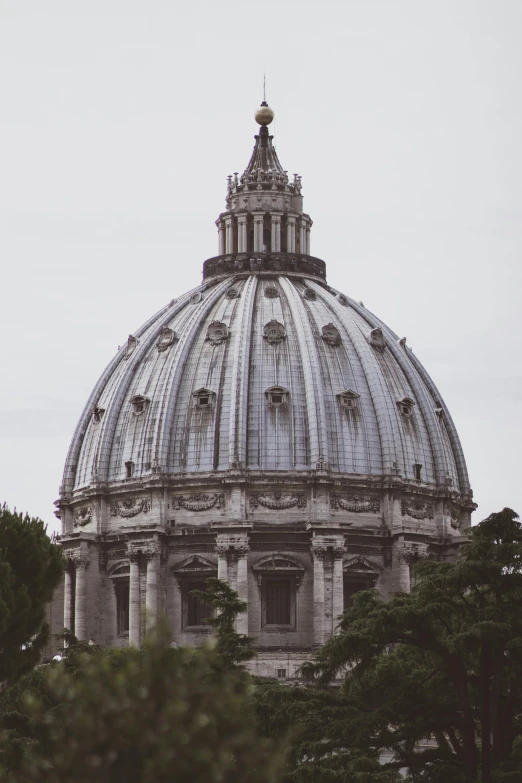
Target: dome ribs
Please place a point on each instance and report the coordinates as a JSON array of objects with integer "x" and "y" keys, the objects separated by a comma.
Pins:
[
  {"x": 238, "y": 422},
  {"x": 319, "y": 451},
  {"x": 422, "y": 391}
]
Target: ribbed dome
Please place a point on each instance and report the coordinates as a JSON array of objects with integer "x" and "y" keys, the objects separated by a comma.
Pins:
[{"x": 265, "y": 372}]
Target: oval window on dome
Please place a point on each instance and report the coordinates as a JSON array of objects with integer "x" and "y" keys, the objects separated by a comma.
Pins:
[
  {"x": 310, "y": 294},
  {"x": 217, "y": 333},
  {"x": 165, "y": 339},
  {"x": 132, "y": 344},
  {"x": 196, "y": 298},
  {"x": 97, "y": 414},
  {"x": 342, "y": 300},
  {"x": 271, "y": 292},
  {"x": 232, "y": 293}
]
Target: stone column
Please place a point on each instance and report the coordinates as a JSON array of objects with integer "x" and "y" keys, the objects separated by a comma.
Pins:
[
  {"x": 258, "y": 232},
  {"x": 276, "y": 232},
  {"x": 308, "y": 239},
  {"x": 134, "y": 600},
  {"x": 242, "y": 233},
  {"x": 229, "y": 237},
  {"x": 242, "y": 586},
  {"x": 222, "y": 551},
  {"x": 290, "y": 234},
  {"x": 221, "y": 238},
  {"x": 80, "y": 604},
  {"x": 404, "y": 560},
  {"x": 67, "y": 598},
  {"x": 337, "y": 586},
  {"x": 318, "y": 554},
  {"x": 151, "y": 597},
  {"x": 302, "y": 236}
]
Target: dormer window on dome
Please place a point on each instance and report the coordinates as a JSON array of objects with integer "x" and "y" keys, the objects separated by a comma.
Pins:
[
  {"x": 274, "y": 332},
  {"x": 406, "y": 406},
  {"x": 204, "y": 398},
  {"x": 139, "y": 404},
  {"x": 376, "y": 339},
  {"x": 348, "y": 399},
  {"x": 277, "y": 396}
]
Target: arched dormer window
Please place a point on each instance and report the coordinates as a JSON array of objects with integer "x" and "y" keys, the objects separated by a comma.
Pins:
[
  {"x": 274, "y": 332},
  {"x": 406, "y": 406},
  {"x": 217, "y": 333},
  {"x": 348, "y": 399},
  {"x": 277, "y": 396},
  {"x": 278, "y": 577},
  {"x": 166, "y": 337},
  {"x": 204, "y": 398},
  {"x": 139, "y": 404}
]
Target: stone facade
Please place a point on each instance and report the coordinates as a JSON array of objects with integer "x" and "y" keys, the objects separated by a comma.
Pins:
[{"x": 263, "y": 428}]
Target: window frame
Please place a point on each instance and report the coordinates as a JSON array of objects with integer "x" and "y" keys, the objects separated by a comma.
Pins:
[{"x": 191, "y": 582}]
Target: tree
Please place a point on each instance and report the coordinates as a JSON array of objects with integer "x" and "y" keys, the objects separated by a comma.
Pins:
[
  {"x": 433, "y": 677},
  {"x": 154, "y": 715},
  {"x": 31, "y": 567}
]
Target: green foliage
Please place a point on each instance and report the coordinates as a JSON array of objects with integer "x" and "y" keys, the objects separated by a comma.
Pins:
[
  {"x": 433, "y": 677},
  {"x": 233, "y": 648},
  {"x": 31, "y": 567},
  {"x": 153, "y": 715}
]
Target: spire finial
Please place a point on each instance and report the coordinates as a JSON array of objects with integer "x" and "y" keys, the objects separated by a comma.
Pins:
[{"x": 264, "y": 115}]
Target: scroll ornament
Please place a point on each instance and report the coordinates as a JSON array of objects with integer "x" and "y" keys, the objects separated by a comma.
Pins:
[
  {"x": 278, "y": 500},
  {"x": 357, "y": 504},
  {"x": 130, "y": 507},
  {"x": 199, "y": 502},
  {"x": 417, "y": 509},
  {"x": 82, "y": 516}
]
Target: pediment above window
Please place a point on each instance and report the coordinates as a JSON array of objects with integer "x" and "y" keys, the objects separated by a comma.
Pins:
[
  {"x": 203, "y": 398},
  {"x": 360, "y": 566},
  {"x": 194, "y": 564}
]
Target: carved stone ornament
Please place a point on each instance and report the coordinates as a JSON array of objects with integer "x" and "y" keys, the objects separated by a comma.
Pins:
[
  {"x": 82, "y": 516},
  {"x": 271, "y": 292},
  {"x": 200, "y": 502},
  {"x": 196, "y": 298},
  {"x": 310, "y": 294},
  {"x": 217, "y": 333},
  {"x": 132, "y": 344},
  {"x": 331, "y": 335},
  {"x": 278, "y": 500},
  {"x": 358, "y": 504},
  {"x": 274, "y": 332},
  {"x": 165, "y": 339},
  {"x": 342, "y": 300},
  {"x": 130, "y": 507},
  {"x": 417, "y": 509},
  {"x": 232, "y": 293},
  {"x": 319, "y": 552}
]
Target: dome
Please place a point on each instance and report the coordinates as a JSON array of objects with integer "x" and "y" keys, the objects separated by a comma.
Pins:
[
  {"x": 264, "y": 428},
  {"x": 191, "y": 393}
]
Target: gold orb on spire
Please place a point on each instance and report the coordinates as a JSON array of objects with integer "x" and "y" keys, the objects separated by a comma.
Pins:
[{"x": 264, "y": 115}]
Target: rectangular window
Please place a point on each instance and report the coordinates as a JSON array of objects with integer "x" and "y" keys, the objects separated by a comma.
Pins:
[
  {"x": 196, "y": 610},
  {"x": 353, "y": 586},
  {"x": 281, "y": 673},
  {"x": 121, "y": 586},
  {"x": 278, "y": 602}
]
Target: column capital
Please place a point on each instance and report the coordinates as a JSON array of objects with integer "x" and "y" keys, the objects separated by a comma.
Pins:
[
  {"x": 76, "y": 560},
  {"x": 339, "y": 551},
  {"x": 222, "y": 549},
  {"x": 319, "y": 551},
  {"x": 241, "y": 549}
]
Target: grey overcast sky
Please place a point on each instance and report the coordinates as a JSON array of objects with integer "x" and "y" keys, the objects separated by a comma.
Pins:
[{"x": 119, "y": 121}]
